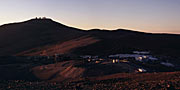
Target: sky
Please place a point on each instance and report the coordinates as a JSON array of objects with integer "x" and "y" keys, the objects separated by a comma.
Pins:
[{"x": 156, "y": 16}]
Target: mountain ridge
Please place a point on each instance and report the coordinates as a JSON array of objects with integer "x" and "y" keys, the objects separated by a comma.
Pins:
[{"x": 52, "y": 21}]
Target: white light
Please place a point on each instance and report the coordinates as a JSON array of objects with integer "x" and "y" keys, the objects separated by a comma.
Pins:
[{"x": 114, "y": 61}]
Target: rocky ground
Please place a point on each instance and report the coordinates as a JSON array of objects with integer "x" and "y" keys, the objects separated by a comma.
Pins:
[{"x": 150, "y": 81}]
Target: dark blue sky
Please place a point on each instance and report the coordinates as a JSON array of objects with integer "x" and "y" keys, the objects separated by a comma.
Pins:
[{"x": 143, "y": 15}]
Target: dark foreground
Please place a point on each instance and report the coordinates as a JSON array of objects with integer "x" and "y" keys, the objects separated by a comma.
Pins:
[{"x": 154, "y": 81}]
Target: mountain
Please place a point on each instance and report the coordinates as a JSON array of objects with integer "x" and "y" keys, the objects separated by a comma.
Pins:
[
  {"x": 47, "y": 37},
  {"x": 19, "y": 37}
]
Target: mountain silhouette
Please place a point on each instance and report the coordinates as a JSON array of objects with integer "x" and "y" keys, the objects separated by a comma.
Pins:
[{"x": 47, "y": 37}]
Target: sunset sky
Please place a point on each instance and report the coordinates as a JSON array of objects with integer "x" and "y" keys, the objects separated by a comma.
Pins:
[{"x": 162, "y": 16}]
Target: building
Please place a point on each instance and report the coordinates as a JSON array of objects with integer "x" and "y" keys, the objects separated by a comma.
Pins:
[
  {"x": 86, "y": 56},
  {"x": 141, "y": 70},
  {"x": 137, "y": 57},
  {"x": 167, "y": 64},
  {"x": 141, "y": 52}
]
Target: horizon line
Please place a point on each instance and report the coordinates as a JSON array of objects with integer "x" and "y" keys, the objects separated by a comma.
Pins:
[{"x": 93, "y": 28}]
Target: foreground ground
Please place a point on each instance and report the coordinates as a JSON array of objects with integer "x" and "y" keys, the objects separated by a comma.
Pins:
[
  {"x": 143, "y": 81},
  {"x": 22, "y": 74}
]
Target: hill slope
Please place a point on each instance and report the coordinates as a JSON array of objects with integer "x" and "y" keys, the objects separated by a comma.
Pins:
[
  {"x": 35, "y": 36},
  {"x": 19, "y": 37},
  {"x": 125, "y": 41}
]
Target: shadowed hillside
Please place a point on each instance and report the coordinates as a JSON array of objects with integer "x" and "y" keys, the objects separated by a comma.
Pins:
[
  {"x": 19, "y": 37},
  {"x": 35, "y": 36},
  {"x": 126, "y": 41}
]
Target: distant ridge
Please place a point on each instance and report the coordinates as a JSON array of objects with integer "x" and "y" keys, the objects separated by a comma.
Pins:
[{"x": 38, "y": 35}]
